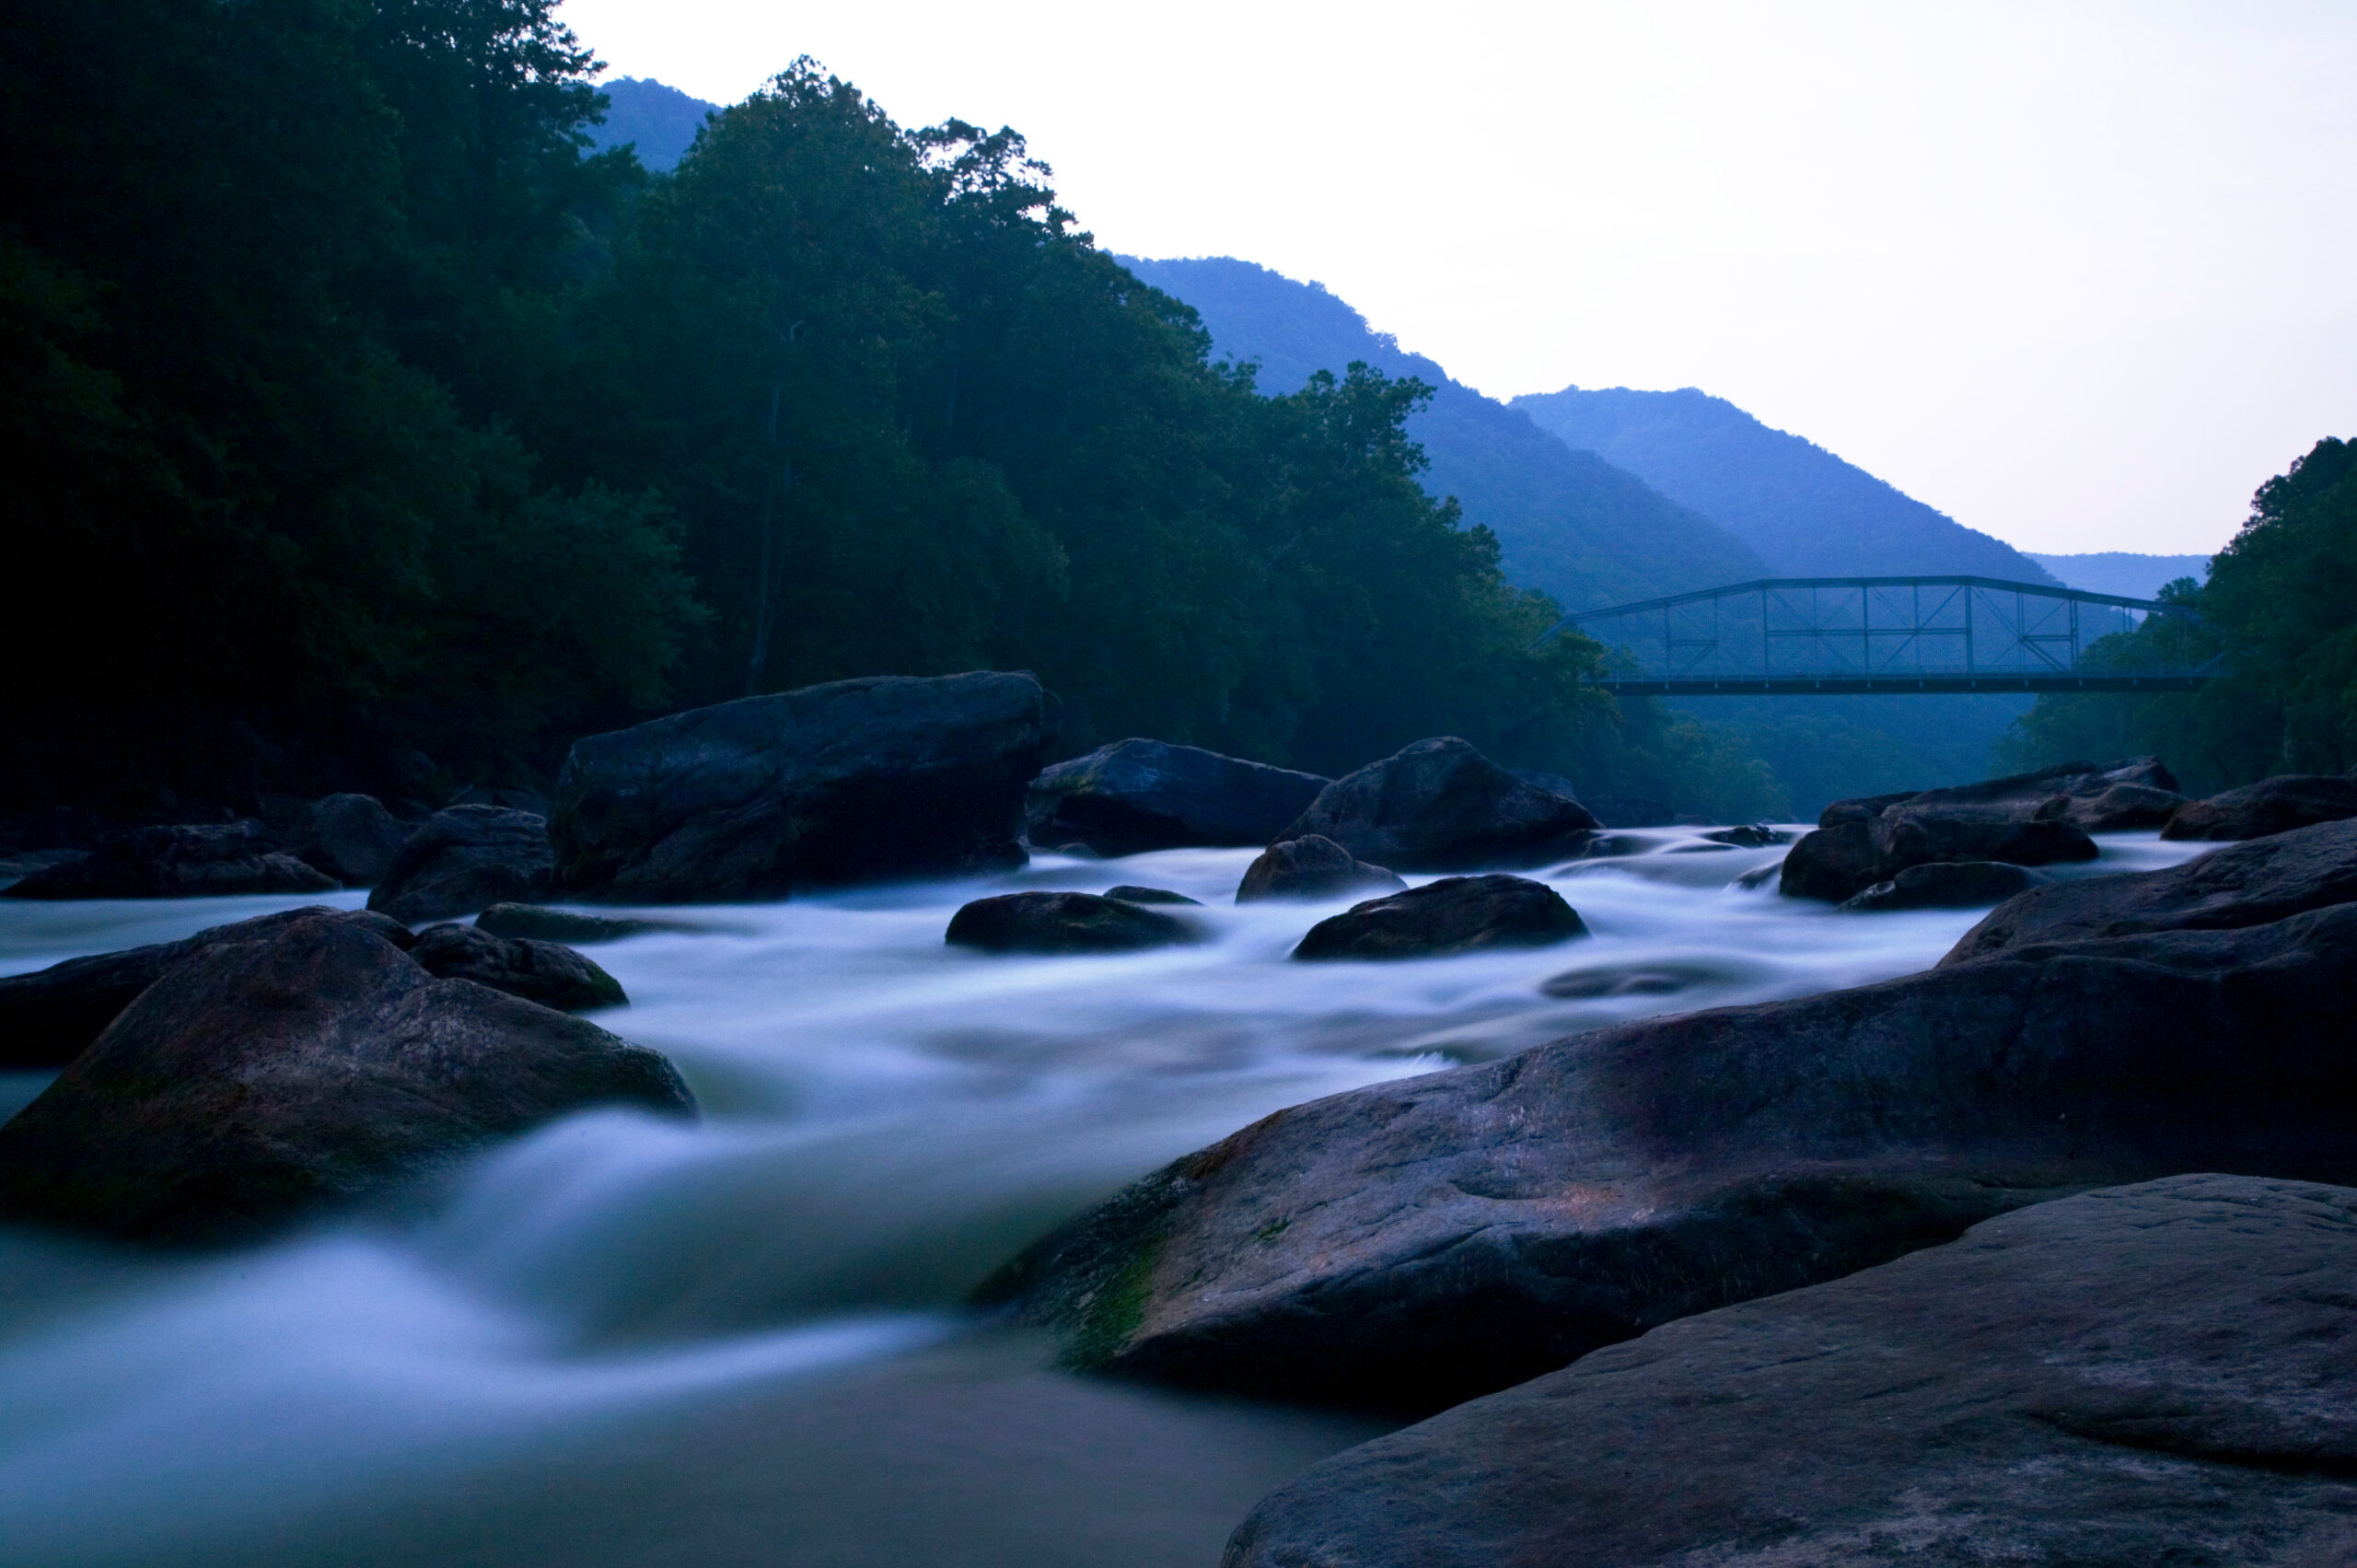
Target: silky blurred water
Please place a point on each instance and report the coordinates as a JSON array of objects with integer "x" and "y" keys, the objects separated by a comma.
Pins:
[{"x": 632, "y": 1341}]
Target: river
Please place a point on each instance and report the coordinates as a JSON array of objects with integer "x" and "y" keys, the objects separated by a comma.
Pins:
[{"x": 624, "y": 1341}]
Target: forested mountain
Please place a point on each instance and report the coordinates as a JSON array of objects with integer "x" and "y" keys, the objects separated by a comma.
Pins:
[
  {"x": 2122, "y": 572},
  {"x": 1807, "y": 512},
  {"x": 1567, "y": 522},
  {"x": 656, "y": 123}
]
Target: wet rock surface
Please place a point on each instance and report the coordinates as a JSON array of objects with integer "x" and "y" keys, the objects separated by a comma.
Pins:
[
  {"x": 851, "y": 781},
  {"x": 540, "y": 923},
  {"x": 548, "y": 973},
  {"x": 48, "y": 1016},
  {"x": 1138, "y": 794},
  {"x": 2248, "y": 883},
  {"x": 351, "y": 837},
  {"x": 1131, "y": 893},
  {"x": 2271, "y": 806},
  {"x": 1456, "y": 914},
  {"x": 319, "y": 1066},
  {"x": 1947, "y": 884},
  {"x": 192, "y": 860},
  {"x": 1439, "y": 805},
  {"x": 466, "y": 858},
  {"x": 2143, "y": 1374},
  {"x": 1063, "y": 923},
  {"x": 1422, "y": 1241},
  {"x": 1312, "y": 867},
  {"x": 1839, "y": 862}
]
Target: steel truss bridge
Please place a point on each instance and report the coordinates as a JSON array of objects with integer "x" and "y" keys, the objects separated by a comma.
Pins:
[{"x": 1797, "y": 636}]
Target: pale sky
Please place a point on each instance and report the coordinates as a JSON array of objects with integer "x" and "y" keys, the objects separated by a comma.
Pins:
[{"x": 2079, "y": 274}]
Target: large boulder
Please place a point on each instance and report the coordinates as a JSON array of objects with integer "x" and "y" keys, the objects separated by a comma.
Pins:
[
  {"x": 48, "y": 1016},
  {"x": 194, "y": 860},
  {"x": 1456, "y": 914},
  {"x": 1439, "y": 805},
  {"x": 2073, "y": 791},
  {"x": 259, "y": 1081},
  {"x": 1134, "y": 796},
  {"x": 855, "y": 780},
  {"x": 2250, "y": 884},
  {"x": 351, "y": 837},
  {"x": 2271, "y": 806},
  {"x": 1843, "y": 861},
  {"x": 2143, "y": 1374},
  {"x": 1311, "y": 867},
  {"x": 548, "y": 973},
  {"x": 1424, "y": 1240},
  {"x": 1063, "y": 923},
  {"x": 1944, "y": 884},
  {"x": 465, "y": 858}
]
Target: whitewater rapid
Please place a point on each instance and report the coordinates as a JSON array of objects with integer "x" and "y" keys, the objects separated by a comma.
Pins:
[{"x": 627, "y": 1340}]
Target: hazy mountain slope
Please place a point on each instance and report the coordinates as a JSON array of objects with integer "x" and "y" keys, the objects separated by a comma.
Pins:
[
  {"x": 1807, "y": 512},
  {"x": 2123, "y": 572},
  {"x": 1570, "y": 522},
  {"x": 661, "y": 121}
]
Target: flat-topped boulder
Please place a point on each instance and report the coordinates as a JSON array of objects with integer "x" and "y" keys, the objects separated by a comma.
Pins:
[
  {"x": 465, "y": 858},
  {"x": 1424, "y": 1240},
  {"x": 1439, "y": 805},
  {"x": 1456, "y": 914},
  {"x": 853, "y": 780},
  {"x": 2271, "y": 806},
  {"x": 192, "y": 860},
  {"x": 2143, "y": 1374},
  {"x": 1139, "y": 795},
  {"x": 1312, "y": 866},
  {"x": 1841, "y": 862},
  {"x": 259, "y": 1082},
  {"x": 2248, "y": 883},
  {"x": 2093, "y": 796},
  {"x": 1064, "y": 922},
  {"x": 541, "y": 922}
]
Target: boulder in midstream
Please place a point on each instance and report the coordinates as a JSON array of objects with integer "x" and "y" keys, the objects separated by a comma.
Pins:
[
  {"x": 1439, "y": 805},
  {"x": 1456, "y": 914}
]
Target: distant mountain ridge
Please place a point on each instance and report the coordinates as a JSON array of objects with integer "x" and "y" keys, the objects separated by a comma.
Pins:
[
  {"x": 1807, "y": 512},
  {"x": 1569, "y": 522},
  {"x": 2124, "y": 573},
  {"x": 660, "y": 121}
]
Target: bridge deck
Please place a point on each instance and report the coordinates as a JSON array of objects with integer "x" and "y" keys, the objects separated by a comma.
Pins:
[{"x": 1889, "y": 685}]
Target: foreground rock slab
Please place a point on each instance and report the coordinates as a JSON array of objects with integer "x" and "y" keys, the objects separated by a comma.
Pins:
[
  {"x": 1136, "y": 795},
  {"x": 2271, "y": 806},
  {"x": 463, "y": 859},
  {"x": 1421, "y": 1241},
  {"x": 853, "y": 780},
  {"x": 1312, "y": 867},
  {"x": 1456, "y": 914},
  {"x": 197, "y": 860},
  {"x": 260, "y": 1081},
  {"x": 2145, "y": 1375},
  {"x": 1063, "y": 923},
  {"x": 1439, "y": 805},
  {"x": 2249, "y": 884}
]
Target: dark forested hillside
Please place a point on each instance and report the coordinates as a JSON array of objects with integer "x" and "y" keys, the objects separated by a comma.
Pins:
[
  {"x": 1567, "y": 522},
  {"x": 656, "y": 123},
  {"x": 1807, "y": 512}
]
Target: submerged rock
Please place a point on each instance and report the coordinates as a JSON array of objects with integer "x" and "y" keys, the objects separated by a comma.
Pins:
[
  {"x": 48, "y": 1016},
  {"x": 1136, "y": 795},
  {"x": 851, "y": 781},
  {"x": 1311, "y": 867},
  {"x": 544, "y": 973},
  {"x": 1456, "y": 914},
  {"x": 2142, "y": 1374},
  {"x": 259, "y": 1081},
  {"x": 351, "y": 837},
  {"x": 463, "y": 859},
  {"x": 2271, "y": 806},
  {"x": 1130, "y": 893},
  {"x": 540, "y": 923},
  {"x": 1062, "y": 923},
  {"x": 1439, "y": 805},
  {"x": 2250, "y": 884},
  {"x": 1421, "y": 1241},
  {"x": 195, "y": 860},
  {"x": 1945, "y": 884}
]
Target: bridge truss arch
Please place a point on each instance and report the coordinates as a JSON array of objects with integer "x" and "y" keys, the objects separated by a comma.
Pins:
[{"x": 1782, "y": 636}]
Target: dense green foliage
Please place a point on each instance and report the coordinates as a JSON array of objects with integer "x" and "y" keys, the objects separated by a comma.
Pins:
[
  {"x": 2280, "y": 612},
  {"x": 354, "y": 406}
]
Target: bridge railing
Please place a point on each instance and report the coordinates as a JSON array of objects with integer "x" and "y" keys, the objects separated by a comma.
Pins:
[{"x": 1930, "y": 633}]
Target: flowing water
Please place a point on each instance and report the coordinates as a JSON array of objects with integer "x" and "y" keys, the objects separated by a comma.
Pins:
[{"x": 621, "y": 1340}]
